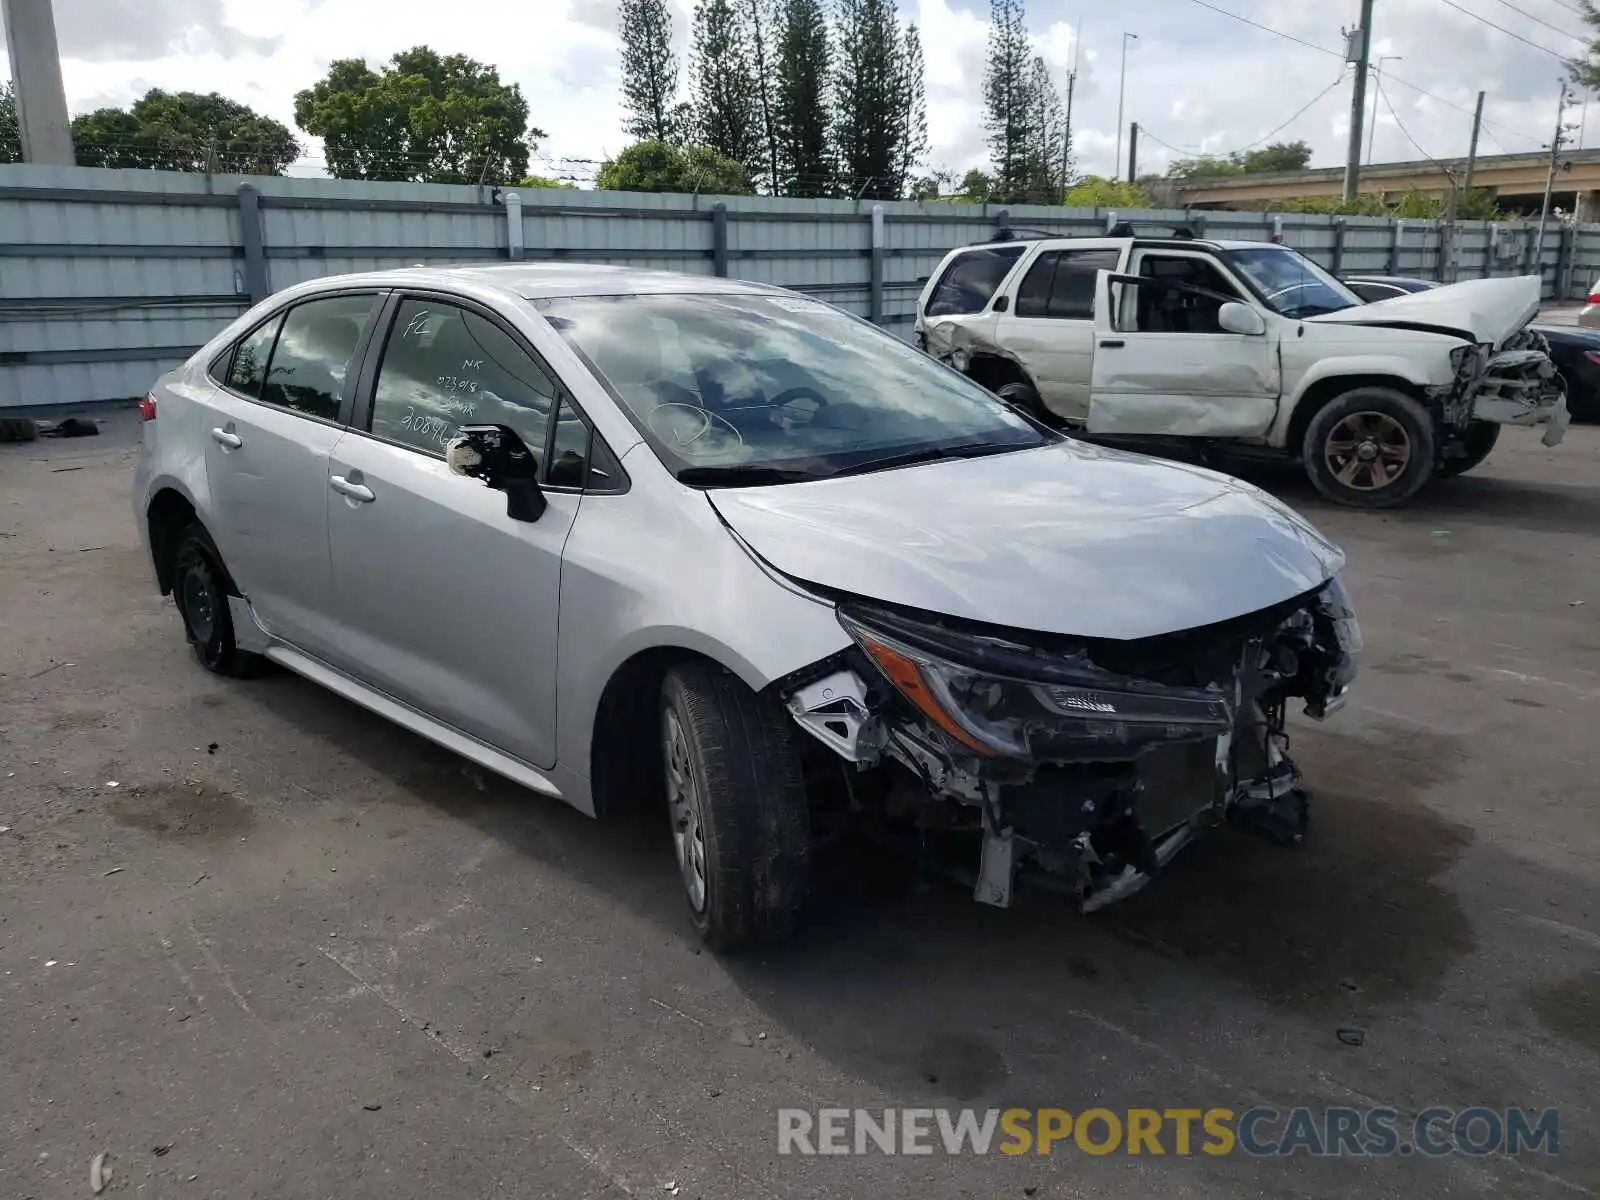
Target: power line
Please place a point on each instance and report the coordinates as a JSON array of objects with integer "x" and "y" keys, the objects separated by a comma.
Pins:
[
  {"x": 1539, "y": 20},
  {"x": 1289, "y": 37},
  {"x": 1417, "y": 146},
  {"x": 1467, "y": 12},
  {"x": 1300, "y": 112},
  {"x": 1421, "y": 91}
]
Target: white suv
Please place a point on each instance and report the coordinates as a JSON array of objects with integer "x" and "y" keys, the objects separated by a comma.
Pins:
[{"x": 1247, "y": 346}]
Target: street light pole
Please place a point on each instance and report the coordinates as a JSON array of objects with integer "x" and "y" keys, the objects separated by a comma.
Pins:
[
  {"x": 1122, "y": 92},
  {"x": 1372, "y": 127}
]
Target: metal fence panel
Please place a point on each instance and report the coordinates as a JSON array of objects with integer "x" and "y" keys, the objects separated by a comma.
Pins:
[{"x": 108, "y": 278}]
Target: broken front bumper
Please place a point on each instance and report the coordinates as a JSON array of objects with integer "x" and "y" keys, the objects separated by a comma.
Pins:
[
  {"x": 1518, "y": 385},
  {"x": 1059, "y": 755}
]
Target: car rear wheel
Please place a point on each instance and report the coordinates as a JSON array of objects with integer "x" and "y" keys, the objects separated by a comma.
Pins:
[
  {"x": 200, "y": 586},
  {"x": 1372, "y": 447},
  {"x": 741, "y": 828},
  {"x": 1476, "y": 444}
]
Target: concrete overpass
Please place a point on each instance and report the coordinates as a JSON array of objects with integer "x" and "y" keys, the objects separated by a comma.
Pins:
[{"x": 1516, "y": 179}]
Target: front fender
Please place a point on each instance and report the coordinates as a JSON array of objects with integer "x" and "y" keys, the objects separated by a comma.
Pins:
[{"x": 1418, "y": 372}]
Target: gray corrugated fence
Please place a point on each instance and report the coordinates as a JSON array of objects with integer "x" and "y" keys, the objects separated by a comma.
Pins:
[{"x": 108, "y": 278}]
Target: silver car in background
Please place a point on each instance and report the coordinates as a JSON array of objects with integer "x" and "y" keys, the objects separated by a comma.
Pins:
[{"x": 631, "y": 537}]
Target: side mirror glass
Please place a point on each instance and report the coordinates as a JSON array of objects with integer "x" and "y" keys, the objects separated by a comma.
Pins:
[
  {"x": 1234, "y": 317},
  {"x": 1001, "y": 303},
  {"x": 502, "y": 460}
]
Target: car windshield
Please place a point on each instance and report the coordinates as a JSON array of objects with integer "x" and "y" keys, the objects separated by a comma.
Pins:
[
  {"x": 748, "y": 389},
  {"x": 1290, "y": 283}
]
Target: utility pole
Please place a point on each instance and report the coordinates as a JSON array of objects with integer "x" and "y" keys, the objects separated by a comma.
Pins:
[
  {"x": 1472, "y": 147},
  {"x": 1550, "y": 178},
  {"x": 42, "y": 124},
  {"x": 1133, "y": 152},
  {"x": 1358, "y": 42},
  {"x": 1072, "y": 81},
  {"x": 1122, "y": 93}
]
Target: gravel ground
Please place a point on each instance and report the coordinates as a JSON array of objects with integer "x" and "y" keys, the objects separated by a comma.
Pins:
[{"x": 257, "y": 942}]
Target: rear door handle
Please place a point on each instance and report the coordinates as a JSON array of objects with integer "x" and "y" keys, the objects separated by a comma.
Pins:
[
  {"x": 1112, "y": 344},
  {"x": 356, "y": 491},
  {"x": 223, "y": 438}
]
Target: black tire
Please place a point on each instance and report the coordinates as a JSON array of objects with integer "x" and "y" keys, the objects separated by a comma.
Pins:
[
  {"x": 741, "y": 766},
  {"x": 1390, "y": 445},
  {"x": 201, "y": 585},
  {"x": 1478, "y": 442},
  {"x": 1023, "y": 395}
]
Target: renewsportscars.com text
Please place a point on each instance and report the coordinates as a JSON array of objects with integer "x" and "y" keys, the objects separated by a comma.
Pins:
[{"x": 1259, "y": 1131}]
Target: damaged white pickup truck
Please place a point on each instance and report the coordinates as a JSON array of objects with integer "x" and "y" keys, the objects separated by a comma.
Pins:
[{"x": 1246, "y": 348}]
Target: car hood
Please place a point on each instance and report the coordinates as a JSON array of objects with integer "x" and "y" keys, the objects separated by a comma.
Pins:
[
  {"x": 1068, "y": 538},
  {"x": 1490, "y": 310}
]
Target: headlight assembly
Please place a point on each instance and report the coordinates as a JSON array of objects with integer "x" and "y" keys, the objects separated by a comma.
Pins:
[{"x": 997, "y": 698}]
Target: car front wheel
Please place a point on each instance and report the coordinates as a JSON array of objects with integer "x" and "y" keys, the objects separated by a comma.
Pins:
[
  {"x": 741, "y": 828},
  {"x": 1371, "y": 447}
]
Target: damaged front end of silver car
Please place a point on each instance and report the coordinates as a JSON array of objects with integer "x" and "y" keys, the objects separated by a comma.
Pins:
[
  {"x": 1516, "y": 385},
  {"x": 1081, "y": 765}
]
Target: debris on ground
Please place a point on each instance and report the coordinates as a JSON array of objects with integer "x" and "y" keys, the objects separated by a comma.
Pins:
[
  {"x": 740, "y": 1038},
  {"x": 159, "y": 1151},
  {"x": 372, "y": 1107},
  {"x": 111, "y": 783},
  {"x": 99, "y": 1173},
  {"x": 1352, "y": 1035},
  {"x": 69, "y": 428},
  {"x": 211, "y": 748},
  {"x": 114, "y": 871}
]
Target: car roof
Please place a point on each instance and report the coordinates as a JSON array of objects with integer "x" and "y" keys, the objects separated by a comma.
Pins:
[
  {"x": 537, "y": 281},
  {"x": 1166, "y": 243}
]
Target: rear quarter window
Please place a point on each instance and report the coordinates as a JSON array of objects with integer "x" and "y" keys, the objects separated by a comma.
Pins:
[{"x": 970, "y": 280}]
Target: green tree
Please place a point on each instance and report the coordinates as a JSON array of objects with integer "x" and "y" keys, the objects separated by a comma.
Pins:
[
  {"x": 663, "y": 167},
  {"x": 543, "y": 181},
  {"x": 724, "y": 82},
  {"x": 800, "y": 101},
  {"x": 650, "y": 73},
  {"x": 1203, "y": 166},
  {"x": 184, "y": 131},
  {"x": 1094, "y": 192},
  {"x": 868, "y": 89},
  {"x": 10, "y": 135},
  {"x": 977, "y": 187},
  {"x": 1044, "y": 178},
  {"x": 1276, "y": 157},
  {"x": 1007, "y": 119},
  {"x": 422, "y": 117},
  {"x": 912, "y": 107},
  {"x": 1585, "y": 69}
]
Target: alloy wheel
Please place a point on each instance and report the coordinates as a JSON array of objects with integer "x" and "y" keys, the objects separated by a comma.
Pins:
[
  {"x": 1367, "y": 451},
  {"x": 683, "y": 800}
]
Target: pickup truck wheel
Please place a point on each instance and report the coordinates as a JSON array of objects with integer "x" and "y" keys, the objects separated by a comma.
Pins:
[
  {"x": 1024, "y": 397},
  {"x": 1478, "y": 441},
  {"x": 741, "y": 827},
  {"x": 1371, "y": 447}
]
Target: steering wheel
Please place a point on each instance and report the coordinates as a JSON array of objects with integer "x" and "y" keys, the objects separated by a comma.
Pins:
[
  {"x": 694, "y": 432},
  {"x": 802, "y": 392}
]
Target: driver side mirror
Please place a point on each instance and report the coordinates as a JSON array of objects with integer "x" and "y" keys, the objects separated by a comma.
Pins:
[
  {"x": 1001, "y": 303},
  {"x": 1234, "y": 317},
  {"x": 502, "y": 460}
]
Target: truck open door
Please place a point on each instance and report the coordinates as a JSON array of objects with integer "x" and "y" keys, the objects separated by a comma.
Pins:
[{"x": 1171, "y": 360}]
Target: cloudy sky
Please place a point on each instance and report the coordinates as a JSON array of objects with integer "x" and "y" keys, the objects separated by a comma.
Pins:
[{"x": 1197, "y": 80}]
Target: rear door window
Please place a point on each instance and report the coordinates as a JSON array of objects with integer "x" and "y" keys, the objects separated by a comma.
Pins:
[
  {"x": 1072, "y": 288},
  {"x": 969, "y": 281},
  {"x": 314, "y": 354}
]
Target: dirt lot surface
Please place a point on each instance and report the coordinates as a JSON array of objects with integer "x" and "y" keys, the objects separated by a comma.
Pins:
[{"x": 255, "y": 942}]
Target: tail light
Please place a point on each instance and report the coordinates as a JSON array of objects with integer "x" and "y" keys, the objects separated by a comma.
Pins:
[
  {"x": 1593, "y": 356},
  {"x": 1594, "y": 294},
  {"x": 147, "y": 408}
]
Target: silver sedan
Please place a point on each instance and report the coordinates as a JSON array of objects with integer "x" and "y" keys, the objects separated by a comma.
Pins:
[{"x": 628, "y": 537}]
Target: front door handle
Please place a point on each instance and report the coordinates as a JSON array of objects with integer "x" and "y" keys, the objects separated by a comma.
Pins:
[
  {"x": 355, "y": 491},
  {"x": 1112, "y": 344},
  {"x": 222, "y": 437}
]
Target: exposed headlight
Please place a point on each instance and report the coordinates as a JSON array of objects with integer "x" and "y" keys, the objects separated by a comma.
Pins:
[
  {"x": 1468, "y": 361},
  {"x": 1336, "y": 605},
  {"x": 998, "y": 698}
]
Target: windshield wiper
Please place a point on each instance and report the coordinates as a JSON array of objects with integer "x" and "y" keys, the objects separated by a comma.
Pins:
[
  {"x": 741, "y": 475},
  {"x": 911, "y": 458}
]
